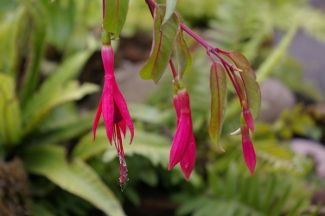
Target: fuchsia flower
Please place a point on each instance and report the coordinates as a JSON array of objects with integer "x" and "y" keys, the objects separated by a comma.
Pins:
[
  {"x": 183, "y": 147},
  {"x": 114, "y": 110},
  {"x": 248, "y": 149}
]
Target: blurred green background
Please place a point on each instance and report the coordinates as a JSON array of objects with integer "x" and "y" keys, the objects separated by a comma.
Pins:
[{"x": 50, "y": 83}]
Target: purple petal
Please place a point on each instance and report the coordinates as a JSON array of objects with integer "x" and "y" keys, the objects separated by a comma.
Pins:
[
  {"x": 248, "y": 149},
  {"x": 188, "y": 160}
]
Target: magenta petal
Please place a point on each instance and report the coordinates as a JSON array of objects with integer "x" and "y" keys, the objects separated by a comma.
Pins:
[
  {"x": 122, "y": 126},
  {"x": 180, "y": 142},
  {"x": 188, "y": 160},
  {"x": 177, "y": 108},
  {"x": 183, "y": 133},
  {"x": 248, "y": 149},
  {"x": 248, "y": 118},
  {"x": 107, "y": 96},
  {"x": 96, "y": 119},
  {"x": 123, "y": 108},
  {"x": 108, "y": 60}
]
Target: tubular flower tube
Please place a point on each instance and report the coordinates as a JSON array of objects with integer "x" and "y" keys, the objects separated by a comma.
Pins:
[
  {"x": 183, "y": 147},
  {"x": 248, "y": 149},
  {"x": 114, "y": 110},
  {"x": 248, "y": 116}
]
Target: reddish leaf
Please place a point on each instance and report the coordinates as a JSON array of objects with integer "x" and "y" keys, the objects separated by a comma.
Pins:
[
  {"x": 240, "y": 61},
  {"x": 183, "y": 55},
  {"x": 253, "y": 93},
  {"x": 218, "y": 88},
  {"x": 252, "y": 88},
  {"x": 163, "y": 40},
  {"x": 115, "y": 15}
]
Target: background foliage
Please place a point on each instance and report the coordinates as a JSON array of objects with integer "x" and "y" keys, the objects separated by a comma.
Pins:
[{"x": 43, "y": 51}]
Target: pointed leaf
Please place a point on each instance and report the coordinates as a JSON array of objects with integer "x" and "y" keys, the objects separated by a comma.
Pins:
[
  {"x": 253, "y": 93},
  {"x": 38, "y": 29},
  {"x": 71, "y": 92},
  {"x": 9, "y": 32},
  {"x": 248, "y": 77},
  {"x": 183, "y": 55},
  {"x": 170, "y": 7},
  {"x": 10, "y": 126},
  {"x": 277, "y": 54},
  {"x": 76, "y": 177},
  {"x": 240, "y": 61},
  {"x": 52, "y": 89},
  {"x": 218, "y": 88},
  {"x": 162, "y": 44},
  {"x": 86, "y": 147},
  {"x": 115, "y": 15},
  {"x": 69, "y": 130}
]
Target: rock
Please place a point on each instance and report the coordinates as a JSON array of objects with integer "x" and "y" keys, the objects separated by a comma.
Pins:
[
  {"x": 276, "y": 97},
  {"x": 131, "y": 85},
  {"x": 313, "y": 149}
]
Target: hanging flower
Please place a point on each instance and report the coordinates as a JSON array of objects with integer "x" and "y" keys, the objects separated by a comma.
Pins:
[
  {"x": 183, "y": 147},
  {"x": 114, "y": 110}
]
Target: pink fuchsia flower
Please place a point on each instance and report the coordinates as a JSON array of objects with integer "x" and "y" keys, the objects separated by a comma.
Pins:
[
  {"x": 114, "y": 110},
  {"x": 183, "y": 147},
  {"x": 248, "y": 149}
]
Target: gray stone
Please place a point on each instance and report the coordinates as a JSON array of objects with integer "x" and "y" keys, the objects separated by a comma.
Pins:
[
  {"x": 313, "y": 149},
  {"x": 276, "y": 97}
]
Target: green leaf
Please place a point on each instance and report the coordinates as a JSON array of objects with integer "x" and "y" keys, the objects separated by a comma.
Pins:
[
  {"x": 86, "y": 147},
  {"x": 162, "y": 45},
  {"x": 76, "y": 177},
  {"x": 115, "y": 15},
  {"x": 253, "y": 93},
  {"x": 183, "y": 55},
  {"x": 60, "y": 17},
  {"x": 10, "y": 127},
  {"x": 72, "y": 129},
  {"x": 148, "y": 114},
  {"x": 9, "y": 30},
  {"x": 170, "y": 7},
  {"x": 36, "y": 50},
  {"x": 39, "y": 210},
  {"x": 53, "y": 92},
  {"x": 273, "y": 59},
  {"x": 218, "y": 88}
]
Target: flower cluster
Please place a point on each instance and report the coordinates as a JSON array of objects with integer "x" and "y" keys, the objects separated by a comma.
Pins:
[{"x": 168, "y": 45}]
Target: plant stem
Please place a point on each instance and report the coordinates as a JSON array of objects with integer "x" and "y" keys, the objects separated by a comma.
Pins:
[{"x": 152, "y": 4}]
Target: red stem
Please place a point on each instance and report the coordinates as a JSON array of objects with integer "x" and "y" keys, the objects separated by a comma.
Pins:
[
  {"x": 104, "y": 7},
  {"x": 207, "y": 46},
  {"x": 172, "y": 67}
]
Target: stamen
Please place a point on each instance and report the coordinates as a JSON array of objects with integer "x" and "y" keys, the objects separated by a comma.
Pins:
[{"x": 123, "y": 171}]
